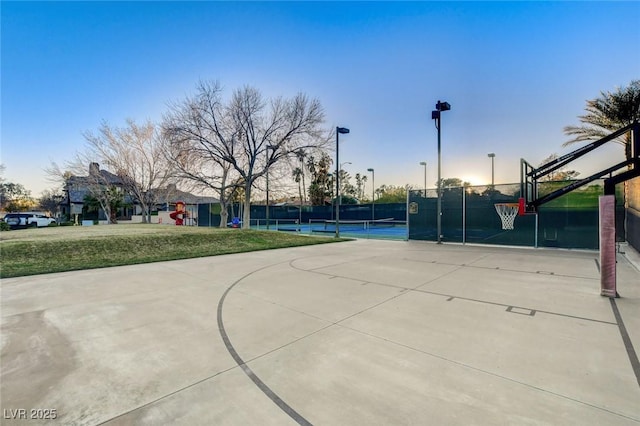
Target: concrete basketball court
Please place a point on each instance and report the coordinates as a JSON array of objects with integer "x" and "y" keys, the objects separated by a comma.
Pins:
[{"x": 356, "y": 333}]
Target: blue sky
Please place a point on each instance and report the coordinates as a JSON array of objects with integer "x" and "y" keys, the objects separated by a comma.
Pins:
[{"x": 515, "y": 73}]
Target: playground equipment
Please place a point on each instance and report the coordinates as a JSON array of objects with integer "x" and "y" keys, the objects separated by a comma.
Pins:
[{"x": 180, "y": 214}]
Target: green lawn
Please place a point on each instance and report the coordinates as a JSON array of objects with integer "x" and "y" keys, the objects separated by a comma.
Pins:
[{"x": 60, "y": 249}]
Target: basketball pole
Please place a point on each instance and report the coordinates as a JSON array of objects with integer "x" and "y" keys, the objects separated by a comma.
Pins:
[
  {"x": 607, "y": 225},
  {"x": 522, "y": 210}
]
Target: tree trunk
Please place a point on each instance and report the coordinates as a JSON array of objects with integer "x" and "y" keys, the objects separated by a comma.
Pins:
[
  {"x": 144, "y": 213},
  {"x": 246, "y": 214},
  {"x": 107, "y": 211},
  {"x": 224, "y": 215},
  {"x": 303, "y": 185}
]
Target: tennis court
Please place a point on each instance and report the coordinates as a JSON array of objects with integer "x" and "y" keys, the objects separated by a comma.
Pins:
[{"x": 378, "y": 229}]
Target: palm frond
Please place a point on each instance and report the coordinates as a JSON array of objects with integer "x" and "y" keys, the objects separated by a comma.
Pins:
[{"x": 606, "y": 114}]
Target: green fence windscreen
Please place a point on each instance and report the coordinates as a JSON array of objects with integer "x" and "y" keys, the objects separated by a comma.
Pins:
[{"x": 469, "y": 215}]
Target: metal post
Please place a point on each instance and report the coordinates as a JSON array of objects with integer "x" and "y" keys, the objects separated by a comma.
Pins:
[
  {"x": 424, "y": 163},
  {"x": 337, "y": 182},
  {"x": 535, "y": 237},
  {"x": 339, "y": 130},
  {"x": 373, "y": 193},
  {"x": 464, "y": 215},
  {"x": 492, "y": 171},
  {"x": 425, "y": 180},
  {"x": 437, "y": 115},
  {"x": 492, "y": 156},
  {"x": 439, "y": 208},
  {"x": 267, "y": 206},
  {"x": 407, "y": 217},
  {"x": 635, "y": 141},
  {"x": 333, "y": 201},
  {"x": 300, "y": 193}
]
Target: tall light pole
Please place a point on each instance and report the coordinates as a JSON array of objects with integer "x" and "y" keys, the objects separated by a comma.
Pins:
[
  {"x": 492, "y": 156},
  {"x": 300, "y": 154},
  {"x": 435, "y": 115},
  {"x": 373, "y": 194},
  {"x": 330, "y": 184},
  {"x": 424, "y": 163},
  {"x": 344, "y": 131},
  {"x": 268, "y": 161}
]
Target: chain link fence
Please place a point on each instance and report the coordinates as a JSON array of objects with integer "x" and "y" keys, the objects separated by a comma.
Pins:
[{"x": 469, "y": 216}]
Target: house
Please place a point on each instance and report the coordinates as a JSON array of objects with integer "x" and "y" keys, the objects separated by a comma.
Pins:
[
  {"x": 168, "y": 196},
  {"x": 77, "y": 188}
]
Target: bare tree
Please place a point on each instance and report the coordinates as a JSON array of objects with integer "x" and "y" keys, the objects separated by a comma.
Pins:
[
  {"x": 50, "y": 200},
  {"x": 136, "y": 154},
  {"x": 249, "y": 134},
  {"x": 200, "y": 142}
]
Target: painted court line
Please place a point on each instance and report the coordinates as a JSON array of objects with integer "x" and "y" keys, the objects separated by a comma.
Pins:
[
  {"x": 633, "y": 356},
  {"x": 452, "y": 296},
  {"x": 297, "y": 417}
]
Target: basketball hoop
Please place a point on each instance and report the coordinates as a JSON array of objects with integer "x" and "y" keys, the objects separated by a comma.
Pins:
[{"x": 507, "y": 213}]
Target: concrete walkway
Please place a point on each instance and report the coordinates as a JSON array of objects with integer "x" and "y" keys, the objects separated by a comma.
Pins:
[{"x": 357, "y": 333}]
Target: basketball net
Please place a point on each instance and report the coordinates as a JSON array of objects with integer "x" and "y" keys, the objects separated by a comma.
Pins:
[{"x": 507, "y": 213}]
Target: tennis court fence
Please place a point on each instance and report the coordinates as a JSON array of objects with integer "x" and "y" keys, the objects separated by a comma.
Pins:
[
  {"x": 378, "y": 228},
  {"x": 468, "y": 216}
]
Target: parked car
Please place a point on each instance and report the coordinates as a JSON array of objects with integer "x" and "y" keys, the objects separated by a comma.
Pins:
[{"x": 27, "y": 219}]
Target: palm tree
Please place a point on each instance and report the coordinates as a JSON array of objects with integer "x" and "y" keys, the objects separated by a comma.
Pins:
[
  {"x": 297, "y": 174},
  {"x": 110, "y": 201},
  {"x": 608, "y": 113},
  {"x": 300, "y": 154},
  {"x": 319, "y": 171},
  {"x": 360, "y": 181}
]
